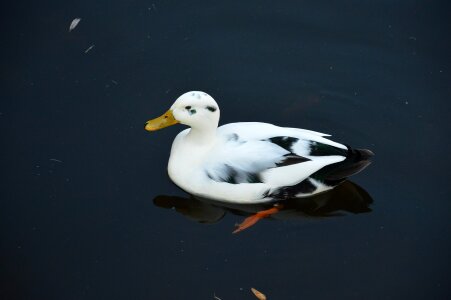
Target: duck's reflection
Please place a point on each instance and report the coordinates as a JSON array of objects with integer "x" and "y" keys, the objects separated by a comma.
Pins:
[{"x": 345, "y": 198}]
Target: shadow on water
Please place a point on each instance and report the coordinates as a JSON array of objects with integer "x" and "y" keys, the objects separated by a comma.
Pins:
[{"x": 346, "y": 198}]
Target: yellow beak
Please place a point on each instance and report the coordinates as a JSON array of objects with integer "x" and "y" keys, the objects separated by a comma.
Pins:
[{"x": 167, "y": 119}]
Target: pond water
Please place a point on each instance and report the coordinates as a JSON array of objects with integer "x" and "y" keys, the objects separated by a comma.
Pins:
[{"x": 88, "y": 211}]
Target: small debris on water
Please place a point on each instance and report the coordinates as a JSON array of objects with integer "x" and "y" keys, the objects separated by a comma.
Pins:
[
  {"x": 89, "y": 49},
  {"x": 258, "y": 294},
  {"x": 74, "y": 24}
]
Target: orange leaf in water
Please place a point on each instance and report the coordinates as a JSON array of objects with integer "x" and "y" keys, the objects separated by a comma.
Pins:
[
  {"x": 250, "y": 221},
  {"x": 258, "y": 294}
]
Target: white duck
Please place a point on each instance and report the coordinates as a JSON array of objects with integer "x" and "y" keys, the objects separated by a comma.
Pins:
[{"x": 251, "y": 162}]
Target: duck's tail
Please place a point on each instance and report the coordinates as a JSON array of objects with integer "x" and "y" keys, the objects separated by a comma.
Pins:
[
  {"x": 356, "y": 160},
  {"x": 327, "y": 177}
]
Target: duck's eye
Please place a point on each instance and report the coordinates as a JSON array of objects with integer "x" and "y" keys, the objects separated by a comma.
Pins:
[
  {"x": 188, "y": 107},
  {"x": 211, "y": 108}
]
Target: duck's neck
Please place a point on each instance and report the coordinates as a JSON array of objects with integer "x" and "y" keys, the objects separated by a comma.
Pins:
[{"x": 202, "y": 136}]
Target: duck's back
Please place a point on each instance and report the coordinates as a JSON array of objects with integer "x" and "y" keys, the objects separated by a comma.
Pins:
[{"x": 291, "y": 162}]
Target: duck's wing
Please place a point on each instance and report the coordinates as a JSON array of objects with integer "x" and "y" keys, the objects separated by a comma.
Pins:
[
  {"x": 264, "y": 153},
  {"x": 259, "y": 131}
]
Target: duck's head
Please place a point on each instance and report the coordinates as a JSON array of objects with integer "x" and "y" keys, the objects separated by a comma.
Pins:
[{"x": 195, "y": 109}]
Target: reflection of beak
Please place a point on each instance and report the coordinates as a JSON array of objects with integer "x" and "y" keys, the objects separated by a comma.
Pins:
[{"x": 167, "y": 119}]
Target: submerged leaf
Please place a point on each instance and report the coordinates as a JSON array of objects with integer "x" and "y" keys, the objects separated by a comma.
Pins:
[
  {"x": 250, "y": 221},
  {"x": 258, "y": 294}
]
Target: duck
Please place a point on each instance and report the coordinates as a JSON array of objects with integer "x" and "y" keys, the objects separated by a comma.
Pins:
[{"x": 251, "y": 162}]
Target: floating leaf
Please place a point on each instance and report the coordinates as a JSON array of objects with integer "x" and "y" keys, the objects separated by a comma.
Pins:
[
  {"x": 74, "y": 24},
  {"x": 258, "y": 294}
]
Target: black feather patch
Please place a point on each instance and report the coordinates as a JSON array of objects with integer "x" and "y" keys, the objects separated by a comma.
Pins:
[
  {"x": 356, "y": 160},
  {"x": 320, "y": 149},
  {"x": 235, "y": 176},
  {"x": 286, "y": 142},
  {"x": 291, "y": 159},
  {"x": 254, "y": 178},
  {"x": 211, "y": 108},
  {"x": 231, "y": 175},
  {"x": 287, "y": 192},
  {"x": 305, "y": 187}
]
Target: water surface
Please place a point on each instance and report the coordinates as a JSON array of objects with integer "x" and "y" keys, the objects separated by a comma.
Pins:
[{"x": 80, "y": 175}]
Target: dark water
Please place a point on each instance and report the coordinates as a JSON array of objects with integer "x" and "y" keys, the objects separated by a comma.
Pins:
[{"x": 84, "y": 187}]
